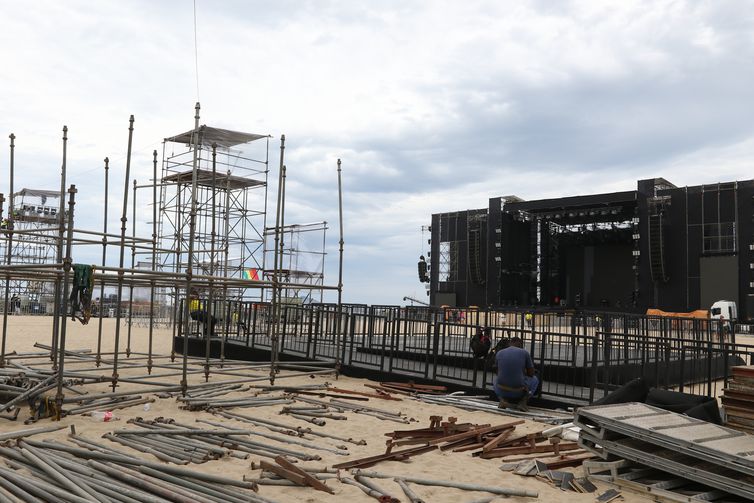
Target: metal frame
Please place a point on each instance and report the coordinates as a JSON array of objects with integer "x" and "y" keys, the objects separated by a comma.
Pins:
[{"x": 220, "y": 222}]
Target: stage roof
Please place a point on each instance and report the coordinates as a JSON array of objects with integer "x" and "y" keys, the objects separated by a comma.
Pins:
[{"x": 222, "y": 137}]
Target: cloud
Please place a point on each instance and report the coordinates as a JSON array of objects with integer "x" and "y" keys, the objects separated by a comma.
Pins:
[{"x": 432, "y": 106}]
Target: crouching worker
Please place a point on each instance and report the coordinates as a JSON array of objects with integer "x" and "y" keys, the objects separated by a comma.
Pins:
[
  {"x": 481, "y": 343},
  {"x": 516, "y": 381}
]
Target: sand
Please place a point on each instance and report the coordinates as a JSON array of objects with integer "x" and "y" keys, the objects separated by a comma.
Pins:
[{"x": 24, "y": 331}]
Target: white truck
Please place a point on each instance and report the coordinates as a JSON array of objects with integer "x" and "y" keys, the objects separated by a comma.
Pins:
[{"x": 724, "y": 310}]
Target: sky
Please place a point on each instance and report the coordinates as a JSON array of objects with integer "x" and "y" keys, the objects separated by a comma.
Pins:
[{"x": 432, "y": 106}]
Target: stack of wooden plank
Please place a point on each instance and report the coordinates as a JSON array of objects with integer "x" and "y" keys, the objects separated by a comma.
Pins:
[
  {"x": 738, "y": 399},
  {"x": 487, "y": 442}
]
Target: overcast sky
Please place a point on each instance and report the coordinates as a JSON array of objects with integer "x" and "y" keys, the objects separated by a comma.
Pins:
[{"x": 433, "y": 106}]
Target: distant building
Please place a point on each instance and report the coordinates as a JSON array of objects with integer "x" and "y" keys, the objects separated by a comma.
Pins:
[{"x": 673, "y": 248}]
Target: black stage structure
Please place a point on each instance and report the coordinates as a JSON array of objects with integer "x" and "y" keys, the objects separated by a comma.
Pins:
[{"x": 659, "y": 246}]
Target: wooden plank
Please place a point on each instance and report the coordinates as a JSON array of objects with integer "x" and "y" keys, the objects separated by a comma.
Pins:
[
  {"x": 469, "y": 447},
  {"x": 475, "y": 432},
  {"x": 389, "y": 390},
  {"x": 411, "y": 385},
  {"x": 309, "y": 479},
  {"x": 505, "y": 451},
  {"x": 495, "y": 441},
  {"x": 574, "y": 459},
  {"x": 434, "y": 432},
  {"x": 359, "y": 393},
  {"x": 282, "y": 472},
  {"x": 747, "y": 394},
  {"x": 395, "y": 455}
]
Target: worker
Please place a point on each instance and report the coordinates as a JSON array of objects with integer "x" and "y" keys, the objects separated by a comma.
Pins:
[
  {"x": 489, "y": 362},
  {"x": 516, "y": 381},
  {"x": 481, "y": 342},
  {"x": 199, "y": 313},
  {"x": 529, "y": 317}
]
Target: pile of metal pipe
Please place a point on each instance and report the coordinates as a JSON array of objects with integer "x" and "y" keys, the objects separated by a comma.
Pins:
[
  {"x": 502, "y": 491},
  {"x": 340, "y": 450},
  {"x": 52, "y": 471},
  {"x": 210, "y": 403},
  {"x": 284, "y": 428},
  {"x": 313, "y": 412},
  {"x": 197, "y": 445},
  {"x": 477, "y": 404},
  {"x": 108, "y": 404},
  {"x": 341, "y": 406},
  {"x": 369, "y": 491},
  {"x": 27, "y": 388}
]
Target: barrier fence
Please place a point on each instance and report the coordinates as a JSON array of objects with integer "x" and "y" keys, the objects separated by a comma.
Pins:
[{"x": 580, "y": 356}]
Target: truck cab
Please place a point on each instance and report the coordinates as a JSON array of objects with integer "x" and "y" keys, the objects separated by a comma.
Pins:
[{"x": 724, "y": 310}]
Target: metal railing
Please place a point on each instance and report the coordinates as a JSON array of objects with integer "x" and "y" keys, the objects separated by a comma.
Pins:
[{"x": 580, "y": 356}]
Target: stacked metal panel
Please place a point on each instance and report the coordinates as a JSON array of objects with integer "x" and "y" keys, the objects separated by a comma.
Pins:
[{"x": 714, "y": 455}]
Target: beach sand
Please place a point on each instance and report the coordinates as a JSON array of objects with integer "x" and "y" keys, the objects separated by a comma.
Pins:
[{"x": 24, "y": 331}]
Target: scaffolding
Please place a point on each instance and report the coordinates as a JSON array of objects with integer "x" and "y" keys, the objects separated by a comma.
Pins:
[
  {"x": 302, "y": 255},
  {"x": 208, "y": 231},
  {"x": 231, "y": 204},
  {"x": 34, "y": 220}
]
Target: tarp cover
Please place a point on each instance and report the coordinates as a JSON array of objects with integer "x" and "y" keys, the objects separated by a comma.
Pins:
[
  {"x": 638, "y": 390},
  {"x": 222, "y": 137}
]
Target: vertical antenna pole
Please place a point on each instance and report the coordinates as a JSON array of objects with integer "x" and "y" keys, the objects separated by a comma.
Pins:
[
  {"x": 104, "y": 259},
  {"x": 9, "y": 248},
  {"x": 123, "y": 220}
]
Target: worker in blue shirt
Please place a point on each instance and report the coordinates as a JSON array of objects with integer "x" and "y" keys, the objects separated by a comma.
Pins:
[{"x": 515, "y": 381}]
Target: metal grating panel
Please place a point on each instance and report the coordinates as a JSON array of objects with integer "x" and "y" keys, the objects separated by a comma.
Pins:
[
  {"x": 624, "y": 410},
  {"x": 699, "y": 433},
  {"x": 660, "y": 421}
]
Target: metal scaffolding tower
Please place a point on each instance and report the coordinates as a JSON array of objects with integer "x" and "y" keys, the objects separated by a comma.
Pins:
[
  {"x": 35, "y": 224},
  {"x": 231, "y": 205},
  {"x": 302, "y": 259}
]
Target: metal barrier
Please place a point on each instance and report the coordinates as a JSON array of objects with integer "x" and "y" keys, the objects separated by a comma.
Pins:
[{"x": 580, "y": 356}]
